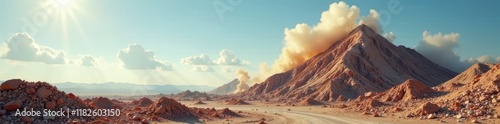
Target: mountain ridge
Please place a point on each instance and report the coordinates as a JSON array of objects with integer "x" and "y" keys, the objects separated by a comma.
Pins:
[{"x": 363, "y": 61}]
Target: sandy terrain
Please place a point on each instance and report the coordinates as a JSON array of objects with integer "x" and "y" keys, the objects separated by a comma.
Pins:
[{"x": 310, "y": 115}]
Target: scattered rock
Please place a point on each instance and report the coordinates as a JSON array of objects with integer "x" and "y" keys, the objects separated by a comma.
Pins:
[
  {"x": 12, "y": 105},
  {"x": 43, "y": 92},
  {"x": 427, "y": 108},
  {"x": 11, "y": 84},
  {"x": 50, "y": 105},
  {"x": 27, "y": 119}
]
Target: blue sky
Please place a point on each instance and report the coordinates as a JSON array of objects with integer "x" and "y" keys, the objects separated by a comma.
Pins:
[{"x": 253, "y": 31}]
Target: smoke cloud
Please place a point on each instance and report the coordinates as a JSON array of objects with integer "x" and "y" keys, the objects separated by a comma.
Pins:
[
  {"x": 304, "y": 41},
  {"x": 243, "y": 78}
]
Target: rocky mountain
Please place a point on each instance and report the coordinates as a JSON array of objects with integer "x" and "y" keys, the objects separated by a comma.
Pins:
[
  {"x": 472, "y": 73},
  {"x": 410, "y": 89},
  {"x": 226, "y": 88},
  {"x": 362, "y": 61}
]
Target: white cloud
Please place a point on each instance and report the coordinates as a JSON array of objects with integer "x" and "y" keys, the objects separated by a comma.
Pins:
[
  {"x": 88, "y": 61},
  {"x": 227, "y": 57},
  {"x": 390, "y": 36},
  {"x": 22, "y": 47},
  {"x": 483, "y": 59},
  {"x": 135, "y": 57},
  {"x": 202, "y": 59},
  {"x": 439, "y": 48},
  {"x": 203, "y": 68}
]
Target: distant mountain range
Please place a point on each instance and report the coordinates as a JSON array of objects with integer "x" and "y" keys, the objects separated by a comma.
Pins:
[{"x": 125, "y": 89}]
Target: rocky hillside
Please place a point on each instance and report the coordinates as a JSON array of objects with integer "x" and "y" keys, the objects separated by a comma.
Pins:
[{"x": 361, "y": 62}]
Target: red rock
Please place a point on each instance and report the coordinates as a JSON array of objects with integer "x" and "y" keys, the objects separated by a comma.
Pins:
[
  {"x": 376, "y": 115},
  {"x": 12, "y": 105},
  {"x": 71, "y": 95},
  {"x": 43, "y": 92},
  {"x": 50, "y": 105},
  {"x": 27, "y": 119},
  {"x": 427, "y": 108},
  {"x": 11, "y": 84},
  {"x": 32, "y": 90},
  {"x": 60, "y": 101}
]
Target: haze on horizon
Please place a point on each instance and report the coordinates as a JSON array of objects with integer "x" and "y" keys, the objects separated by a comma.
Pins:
[{"x": 206, "y": 42}]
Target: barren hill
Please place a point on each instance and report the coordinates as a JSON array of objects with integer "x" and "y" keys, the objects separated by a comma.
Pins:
[
  {"x": 362, "y": 61},
  {"x": 473, "y": 72},
  {"x": 410, "y": 89}
]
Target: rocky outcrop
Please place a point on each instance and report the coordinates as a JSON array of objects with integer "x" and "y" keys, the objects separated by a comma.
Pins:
[
  {"x": 409, "y": 90},
  {"x": 18, "y": 94}
]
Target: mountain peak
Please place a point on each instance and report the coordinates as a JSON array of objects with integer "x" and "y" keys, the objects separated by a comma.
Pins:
[{"x": 363, "y": 61}]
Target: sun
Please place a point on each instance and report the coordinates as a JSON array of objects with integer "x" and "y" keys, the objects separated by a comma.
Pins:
[{"x": 65, "y": 14}]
